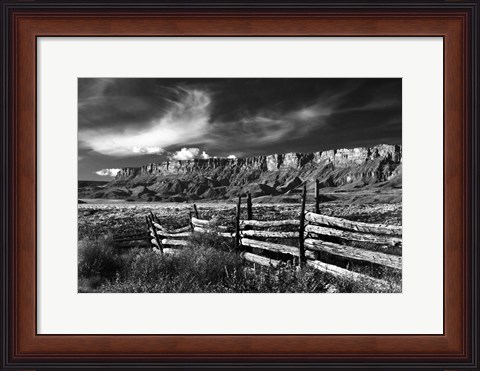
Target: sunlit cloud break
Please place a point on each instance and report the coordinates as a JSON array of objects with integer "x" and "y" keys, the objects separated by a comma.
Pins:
[
  {"x": 189, "y": 154},
  {"x": 185, "y": 121},
  {"x": 108, "y": 172}
]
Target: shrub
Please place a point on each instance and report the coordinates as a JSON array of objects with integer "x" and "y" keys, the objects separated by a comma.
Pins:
[
  {"x": 207, "y": 264},
  {"x": 97, "y": 258},
  {"x": 197, "y": 268}
]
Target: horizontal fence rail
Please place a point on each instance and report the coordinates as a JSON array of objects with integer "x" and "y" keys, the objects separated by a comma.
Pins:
[
  {"x": 213, "y": 231},
  {"x": 345, "y": 273},
  {"x": 166, "y": 241},
  {"x": 270, "y": 234},
  {"x": 258, "y": 259},
  {"x": 352, "y": 225},
  {"x": 274, "y": 247},
  {"x": 208, "y": 224},
  {"x": 129, "y": 240},
  {"x": 173, "y": 235},
  {"x": 269, "y": 223},
  {"x": 352, "y": 236},
  {"x": 387, "y": 260},
  {"x": 173, "y": 231}
]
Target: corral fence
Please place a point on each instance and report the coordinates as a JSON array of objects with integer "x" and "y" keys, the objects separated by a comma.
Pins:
[
  {"x": 315, "y": 234},
  {"x": 134, "y": 239}
]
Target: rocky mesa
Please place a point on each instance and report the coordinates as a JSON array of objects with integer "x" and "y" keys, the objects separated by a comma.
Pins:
[{"x": 272, "y": 175}]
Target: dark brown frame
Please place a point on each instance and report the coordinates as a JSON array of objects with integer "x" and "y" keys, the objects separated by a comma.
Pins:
[{"x": 456, "y": 22}]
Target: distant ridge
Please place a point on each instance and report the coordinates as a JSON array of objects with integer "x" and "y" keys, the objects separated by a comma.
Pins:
[{"x": 272, "y": 175}]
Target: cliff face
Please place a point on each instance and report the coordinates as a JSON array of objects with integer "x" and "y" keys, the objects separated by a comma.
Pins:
[
  {"x": 278, "y": 162},
  {"x": 273, "y": 175}
]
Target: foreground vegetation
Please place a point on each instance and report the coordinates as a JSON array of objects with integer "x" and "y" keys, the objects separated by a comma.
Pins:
[{"x": 207, "y": 265}]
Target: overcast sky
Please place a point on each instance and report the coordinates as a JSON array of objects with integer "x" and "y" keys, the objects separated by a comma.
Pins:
[{"x": 133, "y": 121}]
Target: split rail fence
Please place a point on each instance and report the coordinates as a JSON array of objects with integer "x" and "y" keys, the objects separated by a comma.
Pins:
[
  {"x": 134, "y": 239},
  {"x": 315, "y": 234}
]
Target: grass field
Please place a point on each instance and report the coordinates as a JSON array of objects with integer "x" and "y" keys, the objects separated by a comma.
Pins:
[{"x": 209, "y": 263}]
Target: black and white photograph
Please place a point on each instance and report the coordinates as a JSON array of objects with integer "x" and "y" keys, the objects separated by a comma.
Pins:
[{"x": 240, "y": 185}]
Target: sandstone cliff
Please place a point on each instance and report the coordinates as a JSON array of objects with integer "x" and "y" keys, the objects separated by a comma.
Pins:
[
  {"x": 288, "y": 161},
  {"x": 278, "y": 174}
]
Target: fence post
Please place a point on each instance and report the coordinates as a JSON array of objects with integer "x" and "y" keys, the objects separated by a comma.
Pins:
[
  {"x": 196, "y": 211},
  {"x": 190, "y": 220},
  {"x": 250, "y": 217},
  {"x": 154, "y": 232},
  {"x": 301, "y": 230},
  {"x": 317, "y": 196},
  {"x": 237, "y": 223},
  {"x": 152, "y": 217}
]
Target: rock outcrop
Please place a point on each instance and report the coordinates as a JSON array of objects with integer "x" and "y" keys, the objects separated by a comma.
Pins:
[
  {"x": 277, "y": 174},
  {"x": 288, "y": 161}
]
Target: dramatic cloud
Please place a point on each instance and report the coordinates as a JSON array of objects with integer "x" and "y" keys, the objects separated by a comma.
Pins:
[
  {"x": 107, "y": 172},
  {"x": 185, "y": 121}
]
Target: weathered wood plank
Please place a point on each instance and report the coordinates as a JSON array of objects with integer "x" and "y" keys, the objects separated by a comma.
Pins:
[
  {"x": 354, "y": 226},
  {"x": 387, "y": 260},
  {"x": 208, "y": 230},
  {"x": 207, "y": 223},
  {"x": 174, "y": 242},
  {"x": 178, "y": 230},
  {"x": 260, "y": 260},
  {"x": 181, "y": 229},
  {"x": 269, "y": 223},
  {"x": 158, "y": 226},
  {"x": 200, "y": 222},
  {"x": 346, "y": 274},
  {"x": 275, "y": 247},
  {"x": 353, "y": 236},
  {"x": 278, "y": 234},
  {"x": 174, "y": 235}
]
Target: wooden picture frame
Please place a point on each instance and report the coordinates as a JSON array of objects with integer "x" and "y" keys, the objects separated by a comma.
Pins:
[{"x": 457, "y": 22}]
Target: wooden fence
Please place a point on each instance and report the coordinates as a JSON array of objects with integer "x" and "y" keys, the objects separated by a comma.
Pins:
[
  {"x": 315, "y": 234},
  {"x": 137, "y": 239}
]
